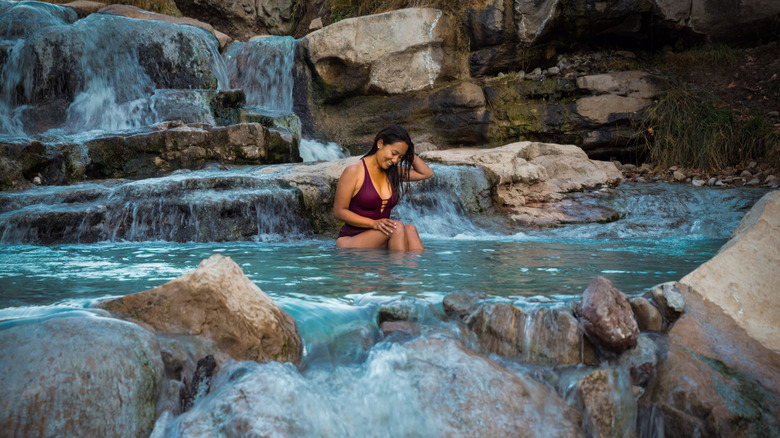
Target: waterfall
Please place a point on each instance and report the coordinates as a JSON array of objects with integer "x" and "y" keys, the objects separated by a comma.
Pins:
[
  {"x": 186, "y": 207},
  {"x": 313, "y": 150},
  {"x": 102, "y": 73},
  {"x": 262, "y": 67}
]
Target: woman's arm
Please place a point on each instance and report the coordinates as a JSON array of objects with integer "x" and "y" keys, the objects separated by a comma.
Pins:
[
  {"x": 419, "y": 170},
  {"x": 344, "y": 192}
]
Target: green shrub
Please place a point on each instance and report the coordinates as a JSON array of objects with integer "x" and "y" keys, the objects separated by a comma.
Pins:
[{"x": 691, "y": 127}]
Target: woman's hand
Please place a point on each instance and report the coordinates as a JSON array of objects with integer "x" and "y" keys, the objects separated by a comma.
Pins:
[{"x": 386, "y": 226}]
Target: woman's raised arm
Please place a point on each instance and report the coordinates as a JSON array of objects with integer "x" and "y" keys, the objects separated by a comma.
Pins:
[{"x": 419, "y": 170}]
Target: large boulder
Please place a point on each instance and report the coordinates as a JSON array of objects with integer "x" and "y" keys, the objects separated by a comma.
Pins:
[
  {"x": 390, "y": 53},
  {"x": 715, "y": 379},
  {"x": 218, "y": 302},
  {"x": 78, "y": 374},
  {"x": 721, "y": 374},
  {"x": 426, "y": 387},
  {"x": 531, "y": 179},
  {"x": 742, "y": 279},
  {"x": 607, "y": 317}
]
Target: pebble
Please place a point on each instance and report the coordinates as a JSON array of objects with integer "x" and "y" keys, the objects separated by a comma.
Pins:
[
  {"x": 712, "y": 181},
  {"x": 770, "y": 179},
  {"x": 746, "y": 174},
  {"x": 752, "y": 165},
  {"x": 678, "y": 176},
  {"x": 553, "y": 70},
  {"x": 719, "y": 183},
  {"x": 37, "y": 180},
  {"x": 753, "y": 182},
  {"x": 773, "y": 113},
  {"x": 697, "y": 182}
]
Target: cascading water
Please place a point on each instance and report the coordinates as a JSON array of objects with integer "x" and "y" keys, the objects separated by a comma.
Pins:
[
  {"x": 103, "y": 72},
  {"x": 262, "y": 67}
]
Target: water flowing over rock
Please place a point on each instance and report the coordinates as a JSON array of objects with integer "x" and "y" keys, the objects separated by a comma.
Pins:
[
  {"x": 65, "y": 76},
  {"x": 482, "y": 399},
  {"x": 217, "y": 301},
  {"x": 530, "y": 180},
  {"x": 391, "y": 53},
  {"x": 544, "y": 336},
  {"x": 742, "y": 278},
  {"x": 78, "y": 374},
  {"x": 607, "y": 317},
  {"x": 606, "y": 402}
]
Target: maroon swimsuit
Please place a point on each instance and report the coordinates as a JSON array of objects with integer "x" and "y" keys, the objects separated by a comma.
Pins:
[{"x": 367, "y": 203}]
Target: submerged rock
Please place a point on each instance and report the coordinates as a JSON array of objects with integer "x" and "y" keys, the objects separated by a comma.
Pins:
[
  {"x": 426, "y": 387},
  {"x": 607, "y": 317},
  {"x": 78, "y": 375},
  {"x": 219, "y": 302}
]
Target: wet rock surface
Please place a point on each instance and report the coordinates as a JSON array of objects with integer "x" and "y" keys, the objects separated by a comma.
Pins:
[
  {"x": 70, "y": 374},
  {"x": 418, "y": 369},
  {"x": 531, "y": 179},
  {"x": 218, "y": 302},
  {"x": 607, "y": 317}
]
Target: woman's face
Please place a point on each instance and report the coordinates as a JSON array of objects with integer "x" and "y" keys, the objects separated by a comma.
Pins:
[{"x": 388, "y": 155}]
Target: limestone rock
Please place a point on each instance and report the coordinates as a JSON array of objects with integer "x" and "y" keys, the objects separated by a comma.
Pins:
[
  {"x": 545, "y": 336},
  {"x": 608, "y": 406},
  {"x": 668, "y": 299},
  {"x": 637, "y": 84},
  {"x": 462, "y": 303},
  {"x": 715, "y": 379},
  {"x": 648, "y": 317},
  {"x": 530, "y": 179},
  {"x": 607, "y": 317},
  {"x": 641, "y": 361},
  {"x": 218, "y": 302},
  {"x": 390, "y": 53},
  {"x": 608, "y": 108},
  {"x": 742, "y": 278},
  {"x": 78, "y": 374}
]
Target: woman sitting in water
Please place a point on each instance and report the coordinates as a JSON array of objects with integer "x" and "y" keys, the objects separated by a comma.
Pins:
[{"x": 369, "y": 189}]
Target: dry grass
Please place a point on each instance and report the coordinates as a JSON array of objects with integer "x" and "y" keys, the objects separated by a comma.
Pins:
[{"x": 691, "y": 127}]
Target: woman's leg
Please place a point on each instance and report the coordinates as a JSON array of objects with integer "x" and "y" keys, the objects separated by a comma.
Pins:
[
  {"x": 413, "y": 242},
  {"x": 366, "y": 239},
  {"x": 397, "y": 241}
]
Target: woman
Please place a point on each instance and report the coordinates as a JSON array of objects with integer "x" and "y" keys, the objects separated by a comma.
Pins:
[{"x": 369, "y": 189}]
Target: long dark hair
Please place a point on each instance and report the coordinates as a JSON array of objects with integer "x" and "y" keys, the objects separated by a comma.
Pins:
[{"x": 400, "y": 172}]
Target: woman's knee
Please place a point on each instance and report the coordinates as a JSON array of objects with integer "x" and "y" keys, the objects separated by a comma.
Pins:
[{"x": 410, "y": 229}]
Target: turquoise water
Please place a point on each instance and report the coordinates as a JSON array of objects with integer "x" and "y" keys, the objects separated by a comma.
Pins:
[{"x": 316, "y": 270}]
